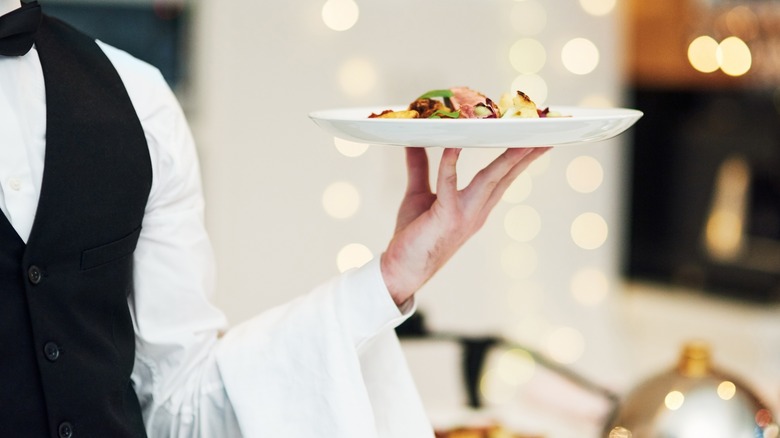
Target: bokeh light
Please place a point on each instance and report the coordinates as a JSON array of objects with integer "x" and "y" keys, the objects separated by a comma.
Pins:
[
  {"x": 357, "y": 77},
  {"x": 522, "y": 223},
  {"x": 565, "y": 345},
  {"x": 741, "y": 21},
  {"x": 723, "y": 233},
  {"x": 674, "y": 400},
  {"x": 703, "y": 54},
  {"x": 598, "y": 7},
  {"x": 727, "y": 390},
  {"x": 584, "y": 174},
  {"x": 763, "y": 417},
  {"x": 341, "y": 200},
  {"x": 349, "y": 148},
  {"x": 519, "y": 190},
  {"x": 580, "y": 56},
  {"x": 589, "y": 286},
  {"x": 353, "y": 255},
  {"x": 532, "y": 85},
  {"x": 589, "y": 230},
  {"x": 340, "y": 15},
  {"x": 527, "y": 55},
  {"x": 771, "y": 431},
  {"x": 596, "y": 100},
  {"x": 734, "y": 56},
  {"x": 515, "y": 366},
  {"x": 494, "y": 389},
  {"x": 540, "y": 165}
]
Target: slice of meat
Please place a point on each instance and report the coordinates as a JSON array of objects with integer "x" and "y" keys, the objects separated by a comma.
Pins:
[
  {"x": 472, "y": 104},
  {"x": 466, "y": 96}
]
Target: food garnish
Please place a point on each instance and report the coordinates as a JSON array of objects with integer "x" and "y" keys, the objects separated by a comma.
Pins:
[{"x": 465, "y": 103}]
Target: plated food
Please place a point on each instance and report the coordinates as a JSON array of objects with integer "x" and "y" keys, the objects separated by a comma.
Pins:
[
  {"x": 465, "y": 103},
  {"x": 492, "y": 431},
  {"x": 462, "y": 117}
]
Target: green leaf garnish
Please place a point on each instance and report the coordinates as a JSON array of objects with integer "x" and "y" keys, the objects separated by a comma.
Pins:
[
  {"x": 436, "y": 93},
  {"x": 441, "y": 113}
]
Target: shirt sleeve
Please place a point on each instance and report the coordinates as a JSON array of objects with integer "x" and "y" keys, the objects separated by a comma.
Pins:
[{"x": 325, "y": 364}]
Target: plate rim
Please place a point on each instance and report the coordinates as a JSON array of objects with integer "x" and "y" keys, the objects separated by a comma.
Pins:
[
  {"x": 353, "y": 124},
  {"x": 607, "y": 112}
]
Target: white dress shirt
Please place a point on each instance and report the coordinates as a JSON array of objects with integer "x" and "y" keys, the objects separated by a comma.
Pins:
[{"x": 327, "y": 364}]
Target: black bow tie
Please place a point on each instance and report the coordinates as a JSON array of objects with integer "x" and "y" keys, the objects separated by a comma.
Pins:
[{"x": 17, "y": 29}]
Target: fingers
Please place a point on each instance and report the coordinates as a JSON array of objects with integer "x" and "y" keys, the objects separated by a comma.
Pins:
[
  {"x": 487, "y": 179},
  {"x": 516, "y": 170},
  {"x": 502, "y": 165},
  {"x": 447, "y": 179},
  {"x": 417, "y": 171}
]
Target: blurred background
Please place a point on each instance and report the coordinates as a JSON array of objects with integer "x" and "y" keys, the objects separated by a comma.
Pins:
[{"x": 601, "y": 261}]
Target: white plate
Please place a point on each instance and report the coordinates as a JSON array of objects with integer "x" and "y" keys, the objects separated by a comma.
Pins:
[{"x": 584, "y": 125}]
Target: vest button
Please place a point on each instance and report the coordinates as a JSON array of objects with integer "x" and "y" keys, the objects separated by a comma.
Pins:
[
  {"x": 65, "y": 430},
  {"x": 34, "y": 274},
  {"x": 51, "y": 351}
]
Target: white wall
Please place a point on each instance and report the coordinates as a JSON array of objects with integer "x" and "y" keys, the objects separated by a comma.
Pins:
[{"x": 262, "y": 66}]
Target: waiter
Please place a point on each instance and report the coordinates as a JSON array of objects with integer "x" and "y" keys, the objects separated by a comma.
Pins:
[{"x": 106, "y": 271}]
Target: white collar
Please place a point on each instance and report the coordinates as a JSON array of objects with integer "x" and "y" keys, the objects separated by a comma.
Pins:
[{"x": 7, "y": 6}]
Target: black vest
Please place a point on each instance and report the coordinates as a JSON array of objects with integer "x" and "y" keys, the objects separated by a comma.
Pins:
[{"x": 67, "y": 342}]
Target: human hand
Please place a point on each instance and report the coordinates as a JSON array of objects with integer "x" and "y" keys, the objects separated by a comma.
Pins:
[{"x": 431, "y": 227}]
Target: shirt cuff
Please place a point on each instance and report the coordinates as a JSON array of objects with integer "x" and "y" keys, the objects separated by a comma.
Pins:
[{"x": 368, "y": 307}]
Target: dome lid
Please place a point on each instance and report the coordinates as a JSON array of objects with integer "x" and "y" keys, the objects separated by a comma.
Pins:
[{"x": 691, "y": 400}]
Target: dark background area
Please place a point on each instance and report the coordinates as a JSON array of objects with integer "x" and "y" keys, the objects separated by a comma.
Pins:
[
  {"x": 679, "y": 145},
  {"x": 155, "y": 32}
]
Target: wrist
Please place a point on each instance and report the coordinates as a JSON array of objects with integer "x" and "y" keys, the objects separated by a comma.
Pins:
[{"x": 395, "y": 281}]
